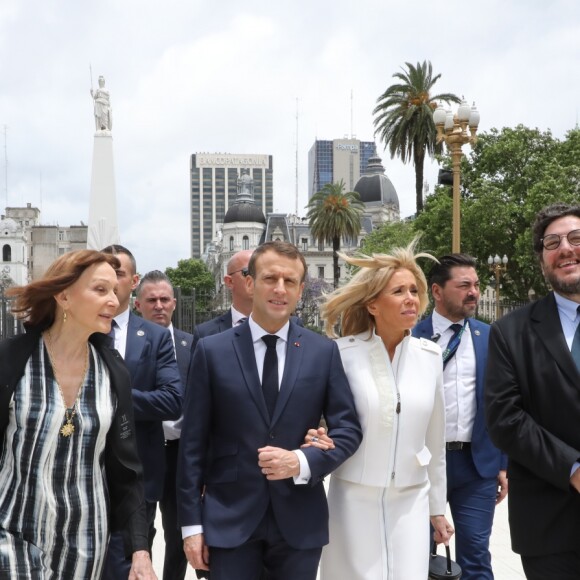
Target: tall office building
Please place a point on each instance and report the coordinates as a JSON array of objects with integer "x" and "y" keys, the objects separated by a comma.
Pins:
[
  {"x": 214, "y": 183},
  {"x": 331, "y": 161}
]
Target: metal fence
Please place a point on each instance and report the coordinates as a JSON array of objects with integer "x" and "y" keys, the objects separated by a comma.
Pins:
[
  {"x": 197, "y": 308},
  {"x": 9, "y": 325},
  {"x": 491, "y": 310},
  {"x": 203, "y": 306}
]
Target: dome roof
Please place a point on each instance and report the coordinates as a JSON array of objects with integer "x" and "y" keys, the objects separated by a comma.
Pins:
[
  {"x": 8, "y": 225},
  {"x": 375, "y": 187},
  {"x": 244, "y": 211}
]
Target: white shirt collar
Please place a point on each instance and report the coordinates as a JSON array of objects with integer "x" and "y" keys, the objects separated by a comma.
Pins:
[
  {"x": 258, "y": 332},
  {"x": 567, "y": 307},
  {"x": 122, "y": 319},
  {"x": 236, "y": 316},
  {"x": 441, "y": 324}
]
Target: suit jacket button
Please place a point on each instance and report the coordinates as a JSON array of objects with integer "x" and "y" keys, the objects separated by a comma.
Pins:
[{"x": 272, "y": 436}]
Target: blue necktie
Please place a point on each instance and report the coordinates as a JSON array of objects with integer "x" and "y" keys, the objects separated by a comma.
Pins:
[
  {"x": 453, "y": 343},
  {"x": 575, "y": 351},
  {"x": 270, "y": 373}
]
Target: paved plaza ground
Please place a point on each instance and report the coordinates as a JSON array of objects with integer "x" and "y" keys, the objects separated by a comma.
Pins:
[{"x": 506, "y": 564}]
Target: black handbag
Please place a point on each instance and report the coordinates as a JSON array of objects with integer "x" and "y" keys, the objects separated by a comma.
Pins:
[{"x": 443, "y": 567}]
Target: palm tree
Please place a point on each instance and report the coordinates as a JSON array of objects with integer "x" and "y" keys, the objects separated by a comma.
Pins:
[
  {"x": 333, "y": 215},
  {"x": 404, "y": 118}
]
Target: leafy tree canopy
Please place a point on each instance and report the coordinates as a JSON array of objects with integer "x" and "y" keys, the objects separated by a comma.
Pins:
[
  {"x": 191, "y": 274},
  {"x": 389, "y": 236},
  {"x": 510, "y": 175}
]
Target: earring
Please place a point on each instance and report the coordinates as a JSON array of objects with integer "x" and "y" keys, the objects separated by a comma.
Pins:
[{"x": 64, "y": 316}]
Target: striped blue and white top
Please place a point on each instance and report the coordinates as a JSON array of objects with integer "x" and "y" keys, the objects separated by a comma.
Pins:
[{"x": 53, "y": 492}]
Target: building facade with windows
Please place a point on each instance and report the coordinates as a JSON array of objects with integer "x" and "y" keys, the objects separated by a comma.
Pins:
[
  {"x": 32, "y": 246},
  {"x": 335, "y": 160},
  {"x": 213, "y": 190}
]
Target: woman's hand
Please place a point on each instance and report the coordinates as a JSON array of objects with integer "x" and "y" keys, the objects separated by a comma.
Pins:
[
  {"x": 318, "y": 438},
  {"x": 443, "y": 529},
  {"x": 141, "y": 567}
]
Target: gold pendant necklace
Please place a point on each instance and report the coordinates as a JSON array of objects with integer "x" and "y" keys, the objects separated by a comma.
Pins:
[{"x": 68, "y": 428}]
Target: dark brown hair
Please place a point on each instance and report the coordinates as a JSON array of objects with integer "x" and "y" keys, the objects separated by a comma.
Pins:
[
  {"x": 35, "y": 302},
  {"x": 119, "y": 249},
  {"x": 281, "y": 248},
  {"x": 545, "y": 217},
  {"x": 441, "y": 271}
]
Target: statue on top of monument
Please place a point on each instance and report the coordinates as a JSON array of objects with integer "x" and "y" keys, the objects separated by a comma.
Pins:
[{"x": 103, "y": 111}]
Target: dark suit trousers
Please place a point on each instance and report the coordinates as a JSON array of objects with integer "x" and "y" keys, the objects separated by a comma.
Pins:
[
  {"x": 563, "y": 566},
  {"x": 472, "y": 503},
  {"x": 117, "y": 566},
  {"x": 175, "y": 563},
  {"x": 265, "y": 555}
]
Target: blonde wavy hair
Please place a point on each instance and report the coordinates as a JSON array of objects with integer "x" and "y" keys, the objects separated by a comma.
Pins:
[{"x": 348, "y": 304}]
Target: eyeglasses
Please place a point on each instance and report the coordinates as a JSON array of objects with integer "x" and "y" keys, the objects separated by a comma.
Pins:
[
  {"x": 552, "y": 241},
  {"x": 244, "y": 272}
]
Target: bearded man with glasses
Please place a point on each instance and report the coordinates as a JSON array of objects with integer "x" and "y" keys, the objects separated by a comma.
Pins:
[{"x": 533, "y": 404}]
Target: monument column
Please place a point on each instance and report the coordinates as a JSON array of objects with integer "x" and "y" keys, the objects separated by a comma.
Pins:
[{"x": 102, "y": 230}]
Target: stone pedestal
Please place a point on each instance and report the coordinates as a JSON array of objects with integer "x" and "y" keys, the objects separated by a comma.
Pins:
[{"x": 103, "y": 229}]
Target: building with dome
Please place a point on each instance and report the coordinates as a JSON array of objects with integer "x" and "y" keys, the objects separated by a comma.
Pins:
[
  {"x": 244, "y": 222},
  {"x": 214, "y": 188},
  {"x": 378, "y": 194}
]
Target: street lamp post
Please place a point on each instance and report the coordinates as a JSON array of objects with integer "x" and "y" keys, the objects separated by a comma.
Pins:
[
  {"x": 452, "y": 129},
  {"x": 497, "y": 265}
]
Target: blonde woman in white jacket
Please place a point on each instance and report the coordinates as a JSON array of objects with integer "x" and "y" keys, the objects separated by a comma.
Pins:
[{"x": 382, "y": 499}]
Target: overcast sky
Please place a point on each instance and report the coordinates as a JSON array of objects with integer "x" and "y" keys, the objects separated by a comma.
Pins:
[{"x": 191, "y": 76}]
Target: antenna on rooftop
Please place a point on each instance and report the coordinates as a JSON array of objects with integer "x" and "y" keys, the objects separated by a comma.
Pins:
[
  {"x": 296, "y": 204},
  {"x": 351, "y": 108}
]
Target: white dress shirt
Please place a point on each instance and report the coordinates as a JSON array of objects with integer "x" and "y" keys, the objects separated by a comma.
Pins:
[
  {"x": 237, "y": 316},
  {"x": 120, "y": 331},
  {"x": 260, "y": 352},
  {"x": 172, "y": 429},
  {"x": 458, "y": 381}
]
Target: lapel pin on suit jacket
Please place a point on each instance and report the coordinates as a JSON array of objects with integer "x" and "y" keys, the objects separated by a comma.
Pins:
[{"x": 140, "y": 333}]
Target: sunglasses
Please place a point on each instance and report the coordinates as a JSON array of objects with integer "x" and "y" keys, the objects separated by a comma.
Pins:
[{"x": 244, "y": 272}]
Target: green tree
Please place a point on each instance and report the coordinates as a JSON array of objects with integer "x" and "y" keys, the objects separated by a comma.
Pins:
[
  {"x": 334, "y": 215},
  {"x": 404, "y": 118},
  {"x": 511, "y": 174},
  {"x": 191, "y": 274},
  {"x": 314, "y": 290},
  {"x": 390, "y": 235}
]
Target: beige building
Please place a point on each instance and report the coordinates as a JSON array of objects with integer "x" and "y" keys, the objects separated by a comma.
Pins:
[
  {"x": 47, "y": 243},
  {"x": 44, "y": 243}
]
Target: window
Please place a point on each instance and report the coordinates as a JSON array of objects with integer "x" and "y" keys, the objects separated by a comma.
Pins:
[
  {"x": 6, "y": 253},
  {"x": 245, "y": 243},
  {"x": 321, "y": 246},
  {"x": 231, "y": 243},
  {"x": 304, "y": 244},
  {"x": 321, "y": 272}
]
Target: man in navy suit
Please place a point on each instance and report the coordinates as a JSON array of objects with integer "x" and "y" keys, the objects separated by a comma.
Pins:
[
  {"x": 235, "y": 280},
  {"x": 148, "y": 352},
  {"x": 155, "y": 300},
  {"x": 258, "y": 388},
  {"x": 476, "y": 476}
]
